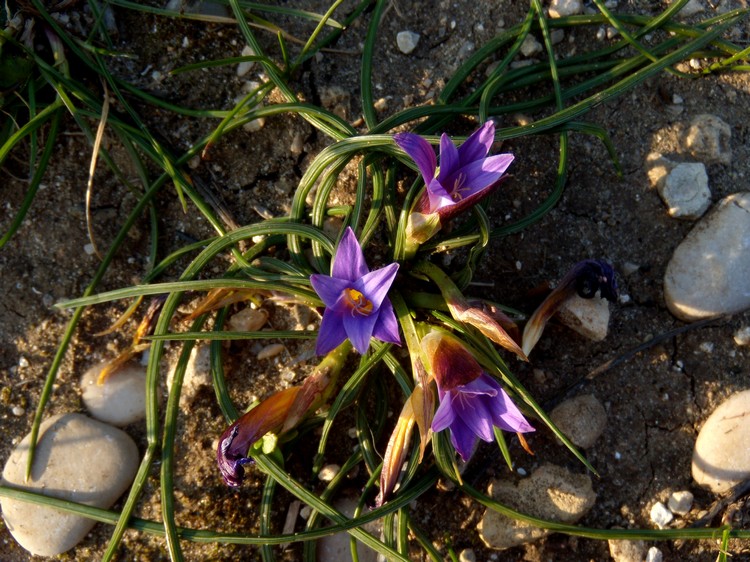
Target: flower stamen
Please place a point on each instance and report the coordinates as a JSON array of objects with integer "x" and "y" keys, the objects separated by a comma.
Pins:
[{"x": 357, "y": 302}]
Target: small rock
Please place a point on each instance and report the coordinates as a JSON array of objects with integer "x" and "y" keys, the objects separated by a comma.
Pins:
[
  {"x": 562, "y": 8},
  {"x": 654, "y": 555},
  {"x": 742, "y": 336},
  {"x": 77, "y": 459},
  {"x": 627, "y": 551},
  {"x": 691, "y": 8},
  {"x": 407, "y": 41},
  {"x": 709, "y": 139},
  {"x": 551, "y": 492},
  {"x": 120, "y": 399},
  {"x": 680, "y": 502},
  {"x": 248, "y": 320},
  {"x": 271, "y": 350},
  {"x": 18, "y": 411},
  {"x": 721, "y": 457},
  {"x": 588, "y": 317},
  {"x": 337, "y": 547},
  {"x": 685, "y": 191},
  {"x": 658, "y": 168},
  {"x": 661, "y": 515},
  {"x": 328, "y": 472},
  {"x": 245, "y": 66},
  {"x": 530, "y": 46},
  {"x": 582, "y": 419},
  {"x": 709, "y": 272},
  {"x": 467, "y": 555},
  {"x": 197, "y": 374}
]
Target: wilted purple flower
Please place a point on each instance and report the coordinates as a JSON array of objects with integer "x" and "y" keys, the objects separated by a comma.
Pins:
[
  {"x": 470, "y": 410},
  {"x": 585, "y": 279},
  {"x": 471, "y": 401},
  {"x": 355, "y": 297},
  {"x": 466, "y": 173}
]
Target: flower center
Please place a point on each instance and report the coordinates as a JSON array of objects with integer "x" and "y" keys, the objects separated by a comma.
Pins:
[
  {"x": 458, "y": 187},
  {"x": 357, "y": 302}
]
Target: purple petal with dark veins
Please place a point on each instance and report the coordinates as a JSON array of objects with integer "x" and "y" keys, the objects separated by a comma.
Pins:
[
  {"x": 478, "y": 145},
  {"x": 329, "y": 289},
  {"x": 386, "y": 328},
  {"x": 349, "y": 262},
  {"x": 421, "y": 152}
]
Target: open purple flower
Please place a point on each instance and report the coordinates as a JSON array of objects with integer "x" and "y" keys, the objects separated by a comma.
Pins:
[
  {"x": 471, "y": 410},
  {"x": 466, "y": 173},
  {"x": 355, "y": 298},
  {"x": 471, "y": 401}
]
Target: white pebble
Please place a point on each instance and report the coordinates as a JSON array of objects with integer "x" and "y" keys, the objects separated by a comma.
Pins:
[
  {"x": 742, "y": 336},
  {"x": 661, "y": 515},
  {"x": 562, "y": 8},
  {"x": 328, "y": 472},
  {"x": 685, "y": 191},
  {"x": 709, "y": 138},
  {"x": 709, "y": 272},
  {"x": 407, "y": 41},
  {"x": 680, "y": 502},
  {"x": 530, "y": 46},
  {"x": 23, "y": 362},
  {"x": 77, "y": 459},
  {"x": 88, "y": 249},
  {"x": 721, "y": 458},
  {"x": 654, "y": 555},
  {"x": 588, "y": 317},
  {"x": 245, "y": 66},
  {"x": 121, "y": 397},
  {"x": 467, "y": 555},
  {"x": 18, "y": 411},
  {"x": 271, "y": 350}
]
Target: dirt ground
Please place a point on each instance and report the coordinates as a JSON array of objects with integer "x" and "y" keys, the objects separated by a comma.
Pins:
[{"x": 656, "y": 401}]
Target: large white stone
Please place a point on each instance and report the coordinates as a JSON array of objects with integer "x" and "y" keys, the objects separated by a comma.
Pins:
[
  {"x": 562, "y": 8},
  {"x": 551, "y": 492},
  {"x": 721, "y": 457},
  {"x": 407, "y": 41},
  {"x": 709, "y": 273},
  {"x": 120, "y": 399},
  {"x": 77, "y": 459}
]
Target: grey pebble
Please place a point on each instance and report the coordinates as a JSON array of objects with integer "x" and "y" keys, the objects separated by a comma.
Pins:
[
  {"x": 77, "y": 459},
  {"x": 582, "y": 419}
]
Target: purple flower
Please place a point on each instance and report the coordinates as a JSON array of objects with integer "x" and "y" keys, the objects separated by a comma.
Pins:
[
  {"x": 355, "y": 298},
  {"x": 471, "y": 401},
  {"x": 466, "y": 173},
  {"x": 471, "y": 410}
]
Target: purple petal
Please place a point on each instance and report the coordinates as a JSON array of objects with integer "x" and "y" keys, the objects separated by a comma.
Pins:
[
  {"x": 331, "y": 332},
  {"x": 463, "y": 439},
  {"x": 329, "y": 289},
  {"x": 477, "y": 175},
  {"x": 349, "y": 262},
  {"x": 507, "y": 416},
  {"x": 482, "y": 385},
  {"x": 438, "y": 198},
  {"x": 444, "y": 415},
  {"x": 474, "y": 413},
  {"x": 359, "y": 329},
  {"x": 386, "y": 327},
  {"x": 478, "y": 144},
  {"x": 451, "y": 211},
  {"x": 449, "y": 160},
  {"x": 376, "y": 284},
  {"x": 420, "y": 151}
]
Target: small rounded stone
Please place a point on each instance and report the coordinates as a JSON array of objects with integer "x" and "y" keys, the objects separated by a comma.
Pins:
[
  {"x": 120, "y": 399},
  {"x": 582, "y": 419},
  {"x": 721, "y": 457}
]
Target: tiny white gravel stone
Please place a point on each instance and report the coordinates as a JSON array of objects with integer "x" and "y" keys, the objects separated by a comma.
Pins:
[
  {"x": 654, "y": 555},
  {"x": 245, "y": 66},
  {"x": 407, "y": 41},
  {"x": 530, "y": 46},
  {"x": 721, "y": 457},
  {"x": 467, "y": 555},
  {"x": 271, "y": 350},
  {"x": 328, "y": 472},
  {"x": 685, "y": 191},
  {"x": 661, "y": 515},
  {"x": 742, "y": 336},
  {"x": 78, "y": 459},
  {"x": 562, "y": 8},
  {"x": 18, "y": 411},
  {"x": 627, "y": 551},
  {"x": 120, "y": 399},
  {"x": 680, "y": 502}
]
